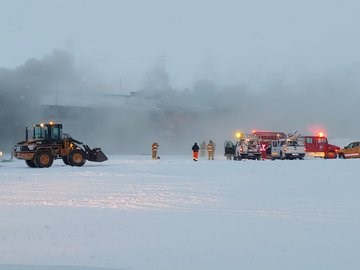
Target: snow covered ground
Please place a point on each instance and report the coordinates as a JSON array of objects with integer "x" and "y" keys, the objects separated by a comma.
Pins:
[{"x": 131, "y": 212}]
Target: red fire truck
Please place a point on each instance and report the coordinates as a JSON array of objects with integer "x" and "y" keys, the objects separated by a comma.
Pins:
[
  {"x": 318, "y": 146},
  {"x": 315, "y": 146},
  {"x": 266, "y": 137}
]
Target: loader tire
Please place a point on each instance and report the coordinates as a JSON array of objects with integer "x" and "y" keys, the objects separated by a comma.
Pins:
[
  {"x": 30, "y": 163},
  {"x": 44, "y": 159},
  {"x": 65, "y": 160},
  {"x": 77, "y": 158}
]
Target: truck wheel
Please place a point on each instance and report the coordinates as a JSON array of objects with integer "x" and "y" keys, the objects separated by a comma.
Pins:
[
  {"x": 44, "y": 159},
  {"x": 77, "y": 158},
  {"x": 330, "y": 154},
  {"x": 30, "y": 163}
]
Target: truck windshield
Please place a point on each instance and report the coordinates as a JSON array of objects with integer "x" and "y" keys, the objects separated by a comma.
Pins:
[
  {"x": 322, "y": 140},
  {"x": 292, "y": 143},
  {"x": 295, "y": 143}
]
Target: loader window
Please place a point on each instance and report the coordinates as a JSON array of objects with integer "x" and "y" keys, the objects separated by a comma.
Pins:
[
  {"x": 39, "y": 132},
  {"x": 55, "y": 133}
]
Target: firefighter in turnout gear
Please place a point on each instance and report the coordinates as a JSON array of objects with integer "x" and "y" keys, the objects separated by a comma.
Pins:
[
  {"x": 154, "y": 148},
  {"x": 211, "y": 149}
]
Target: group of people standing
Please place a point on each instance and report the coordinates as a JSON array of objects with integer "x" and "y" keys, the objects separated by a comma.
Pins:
[{"x": 210, "y": 147}]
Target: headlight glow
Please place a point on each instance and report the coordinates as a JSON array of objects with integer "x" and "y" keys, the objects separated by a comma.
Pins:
[{"x": 31, "y": 147}]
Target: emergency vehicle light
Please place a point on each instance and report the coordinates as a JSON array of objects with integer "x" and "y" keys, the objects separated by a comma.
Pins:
[
  {"x": 321, "y": 134},
  {"x": 238, "y": 135}
]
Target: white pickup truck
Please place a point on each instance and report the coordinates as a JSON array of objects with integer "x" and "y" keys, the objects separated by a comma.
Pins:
[
  {"x": 248, "y": 148},
  {"x": 288, "y": 148}
]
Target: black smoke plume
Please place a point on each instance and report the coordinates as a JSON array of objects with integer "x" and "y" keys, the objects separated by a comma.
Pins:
[{"x": 52, "y": 89}]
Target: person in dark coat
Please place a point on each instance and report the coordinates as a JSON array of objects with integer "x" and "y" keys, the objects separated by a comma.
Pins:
[{"x": 195, "y": 150}]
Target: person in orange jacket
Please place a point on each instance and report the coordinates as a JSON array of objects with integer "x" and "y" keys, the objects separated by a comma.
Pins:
[
  {"x": 154, "y": 148},
  {"x": 195, "y": 150}
]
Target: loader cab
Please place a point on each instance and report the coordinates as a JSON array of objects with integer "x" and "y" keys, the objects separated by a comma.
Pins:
[{"x": 48, "y": 132}]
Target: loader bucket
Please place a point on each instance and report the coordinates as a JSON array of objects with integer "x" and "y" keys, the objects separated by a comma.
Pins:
[{"x": 95, "y": 154}]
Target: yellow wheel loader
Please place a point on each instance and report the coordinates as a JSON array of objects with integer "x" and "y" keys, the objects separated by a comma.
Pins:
[{"x": 48, "y": 142}]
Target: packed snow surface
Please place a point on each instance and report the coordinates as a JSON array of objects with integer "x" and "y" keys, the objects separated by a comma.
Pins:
[{"x": 132, "y": 212}]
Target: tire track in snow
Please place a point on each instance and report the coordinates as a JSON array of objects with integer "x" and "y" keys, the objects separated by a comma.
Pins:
[
  {"x": 94, "y": 187},
  {"x": 101, "y": 191},
  {"x": 155, "y": 196}
]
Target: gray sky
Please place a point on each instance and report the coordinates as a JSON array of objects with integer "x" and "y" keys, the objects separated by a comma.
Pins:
[
  {"x": 276, "y": 65},
  {"x": 229, "y": 41}
]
